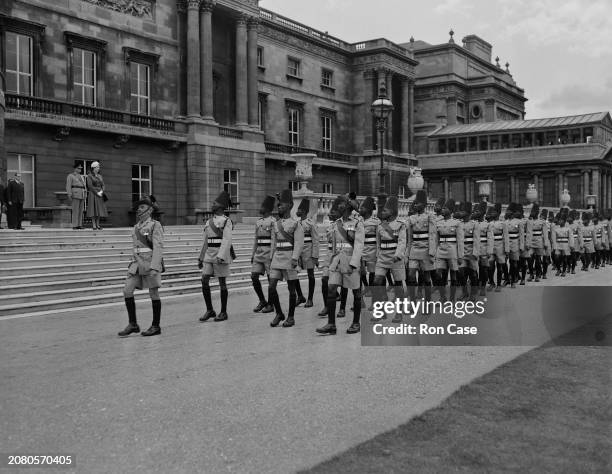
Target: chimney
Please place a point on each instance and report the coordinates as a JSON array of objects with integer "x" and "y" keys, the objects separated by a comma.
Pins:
[{"x": 478, "y": 46}]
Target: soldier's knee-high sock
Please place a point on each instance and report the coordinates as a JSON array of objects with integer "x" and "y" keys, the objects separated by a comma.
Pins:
[
  {"x": 298, "y": 289},
  {"x": 156, "y": 304},
  {"x": 505, "y": 270},
  {"x": 311, "y": 283},
  {"x": 343, "y": 297},
  {"x": 371, "y": 279},
  {"x": 453, "y": 284},
  {"x": 223, "y": 293},
  {"x": 500, "y": 272},
  {"x": 292, "y": 285},
  {"x": 389, "y": 278},
  {"x": 523, "y": 263},
  {"x": 545, "y": 263},
  {"x": 530, "y": 262},
  {"x": 331, "y": 304},
  {"x": 537, "y": 266},
  {"x": 364, "y": 279},
  {"x": 130, "y": 305},
  {"x": 257, "y": 287},
  {"x": 273, "y": 297},
  {"x": 356, "y": 306},
  {"x": 324, "y": 286},
  {"x": 206, "y": 293},
  {"x": 398, "y": 289},
  {"x": 482, "y": 275},
  {"x": 412, "y": 285}
]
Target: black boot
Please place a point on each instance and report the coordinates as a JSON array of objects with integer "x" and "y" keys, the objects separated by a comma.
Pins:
[
  {"x": 154, "y": 330},
  {"x": 132, "y": 327}
]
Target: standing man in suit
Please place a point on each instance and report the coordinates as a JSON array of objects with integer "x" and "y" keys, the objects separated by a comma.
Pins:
[
  {"x": 76, "y": 189},
  {"x": 15, "y": 195}
]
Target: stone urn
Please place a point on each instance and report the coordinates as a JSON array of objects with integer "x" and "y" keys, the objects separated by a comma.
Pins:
[
  {"x": 415, "y": 180},
  {"x": 565, "y": 198},
  {"x": 484, "y": 188},
  {"x": 303, "y": 170},
  {"x": 532, "y": 193}
]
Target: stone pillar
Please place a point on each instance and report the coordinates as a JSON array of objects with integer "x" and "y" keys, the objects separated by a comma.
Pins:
[
  {"x": 369, "y": 79},
  {"x": 193, "y": 59},
  {"x": 560, "y": 180},
  {"x": 446, "y": 191},
  {"x": 206, "y": 66},
  {"x": 411, "y": 116},
  {"x": 389, "y": 131},
  {"x": 609, "y": 204},
  {"x": 597, "y": 187},
  {"x": 252, "y": 73},
  {"x": 512, "y": 188},
  {"x": 451, "y": 110},
  {"x": 536, "y": 183},
  {"x": 489, "y": 112},
  {"x": 585, "y": 188},
  {"x": 241, "y": 71},
  {"x": 468, "y": 188},
  {"x": 488, "y": 142},
  {"x": 405, "y": 120},
  {"x": 181, "y": 74}
]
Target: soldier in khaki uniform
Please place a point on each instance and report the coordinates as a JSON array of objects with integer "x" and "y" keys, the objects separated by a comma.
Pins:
[
  {"x": 484, "y": 235},
  {"x": 586, "y": 238},
  {"x": 600, "y": 240},
  {"x": 333, "y": 216},
  {"x": 370, "y": 225},
  {"x": 449, "y": 249},
  {"x": 546, "y": 260},
  {"x": 527, "y": 228},
  {"x": 216, "y": 256},
  {"x": 347, "y": 247},
  {"x": 501, "y": 246},
  {"x": 287, "y": 246},
  {"x": 391, "y": 249},
  {"x": 77, "y": 192},
  {"x": 262, "y": 252},
  {"x": 607, "y": 223},
  {"x": 146, "y": 267},
  {"x": 562, "y": 241},
  {"x": 468, "y": 265},
  {"x": 516, "y": 237},
  {"x": 537, "y": 243},
  {"x": 310, "y": 253},
  {"x": 572, "y": 223}
]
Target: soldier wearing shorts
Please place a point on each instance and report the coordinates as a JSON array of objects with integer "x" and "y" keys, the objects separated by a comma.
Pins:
[
  {"x": 146, "y": 267},
  {"x": 216, "y": 256},
  {"x": 501, "y": 246},
  {"x": 468, "y": 265},
  {"x": 586, "y": 238},
  {"x": 287, "y": 246},
  {"x": 449, "y": 249},
  {"x": 347, "y": 246},
  {"x": 526, "y": 226},
  {"x": 333, "y": 216},
  {"x": 420, "y": 246},
  {"x": 370, "y": 224},
  {"x": 601, "y": 236},
  {"x": 516, "y": 237},
  {"x": 537, "y": 243},
  {"x": 390, "y": 252},
  {"x": 572, "y": 223},
  {"x": 485, "y": 245},
  {"x": 562, "y": 241},
  {"x": 310, "y": 254},
  {"x": 262, "y": 252}
]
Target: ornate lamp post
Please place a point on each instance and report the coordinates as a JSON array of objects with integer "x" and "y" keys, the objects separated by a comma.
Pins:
[
  {"x": 381, "y": 108},
  {"x": 484, "y": 188},
  {"x": 591, "y": 199}
]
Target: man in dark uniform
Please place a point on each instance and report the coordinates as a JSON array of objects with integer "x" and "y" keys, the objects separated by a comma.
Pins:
[
  {"x": 216, "y": 256},
  {"x": 15, "y": 194},
  {"x": 262, "y": 252}
]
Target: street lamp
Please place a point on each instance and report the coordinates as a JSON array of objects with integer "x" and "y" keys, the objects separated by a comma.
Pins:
[
  {"x": 381, "y": 108},
  {"x": 590, "y": 200}
]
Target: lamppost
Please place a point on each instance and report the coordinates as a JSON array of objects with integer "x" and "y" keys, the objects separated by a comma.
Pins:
[{"x": 381, "y": 108}]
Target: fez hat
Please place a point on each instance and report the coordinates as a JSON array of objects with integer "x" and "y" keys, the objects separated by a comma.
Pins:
[
  {"x": 392, "y": 204},
  {"x": 268, "y": 203},
  {"x": 368, "y": 203},
  {"x": 304, "y": 205},
  {"x": 382, "y": 200},
  {"x": 286, "y": 196},
  {"x": 439, "y": 202},
  {"x": 353, "y": 201},
  {"x": 498, "y": 207},
  {"x": 421, "y": 197},
  {"x": 595, "y": 214},
  {"x": 143, "y": 200},
  {"x": 544, "y": 214},
  {"x": 77, "y": 164},
  {"x": 535, "y": 209},
  {"x": 466, "y": 206},
  {"x": 223, "y": 200},
  {"x": 586, "y": 215},
  {"x": 450, "y": 205},
  {"x": 340, "y": 199}
]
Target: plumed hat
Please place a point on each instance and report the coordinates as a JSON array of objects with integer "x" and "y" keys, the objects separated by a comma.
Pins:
[
  {"x": 268, "y": 203},
  {"x": 421, "y": 197},
  {"x": 450, "y": 205},
  {"x": 368, "y": 203},
  {"x": 586, "y": 216},
  {"x": 286, "y": 196},
  {"x": 392, "y": 204},
  {"x": 223, "y": 200},
  {"x": 304, "y": 205},
  {"x": 535, "y": 210}
]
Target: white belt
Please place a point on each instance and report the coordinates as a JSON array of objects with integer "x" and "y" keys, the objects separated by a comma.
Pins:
[
  {"x": 537, "y": 233},
  {"x": 283, "y": 244},
  {"x": 388, "y": 246},
  {"x": 587, "y": 239},
  {"x": 343, "y": 245},
  {"x": 143, "y": 250},
  {"x": 448, "y": 239},
  {"x": 420, "y": 235},
  {"x": 307, "y": 239},
  {"x": 483, "y": 239},
  {"x": 468, "y": 239},
  {"x": 370, "y": 240},
  {"x": 214, "y": 241}
]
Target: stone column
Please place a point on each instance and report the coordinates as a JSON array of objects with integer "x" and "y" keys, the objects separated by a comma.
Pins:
[
  {"x": 193, "y": 59},
  {"x": 609, "y": 204},
  {"x": 597, "y": 188},
  {"x": 451, "y": 110},
  {"x": 512, "y": 188},
  {"x": 585, "y": 188},
  {"x": 405, "y": 120},
  {"x": 389, "y": 132},
  {"x": 241, "y": 71},
  {"x": 446, "y": 191},
  {"x": 253, "y": 36},
  {"x": 560, "y": 180},
  {"x": 369, "y": 80},
  {"x": 206, "y": 66},
  {"x": 181, "y": 74},
  {"x": 411, "y": 116},
  {"x": 468, "y": 188}
]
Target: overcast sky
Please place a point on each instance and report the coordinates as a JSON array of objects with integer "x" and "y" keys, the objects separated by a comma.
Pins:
[{"x": 560, "y": 51}]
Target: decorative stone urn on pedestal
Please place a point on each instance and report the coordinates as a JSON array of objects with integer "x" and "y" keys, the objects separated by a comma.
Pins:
[
  {"x": 484, "y": 188},
  {"x": 415, "y": 180},
  {"x": 303, "y": 174},
  {"x": 532, "y": 193},
  {"x": 565, "y": 198}
]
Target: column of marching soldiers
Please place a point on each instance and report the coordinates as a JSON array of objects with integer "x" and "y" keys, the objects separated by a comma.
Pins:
[{"x": 468, "y": 246}]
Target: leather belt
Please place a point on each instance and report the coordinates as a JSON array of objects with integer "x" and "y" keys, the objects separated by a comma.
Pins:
[
  {"x": 307, "y": 239},
  {"x": 448, "y": 239},
  {"x": 143, "y": 250},
  {"x": 468, "y": 239},
  {"x": 343, "y": 245}
]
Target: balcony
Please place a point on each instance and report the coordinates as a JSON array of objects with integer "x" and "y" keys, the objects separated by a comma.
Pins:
[{"x": 323, "y": 157}]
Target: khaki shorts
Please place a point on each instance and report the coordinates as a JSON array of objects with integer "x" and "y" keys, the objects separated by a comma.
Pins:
[
  {"x": 526, "y": 253},
  {"x": 444, "y": 263},
  {"x": 483, "y": 260},
  {"x": 541, "y": 252},
  {"x": 307, "y": 263},
  {"x": 514, "y": 255},
  {"x": 260, "y": 268},
  {"x": 143, "y": 281},
  {"x": 424, "y": 264},
  {"x": 352, "y": 281},
  {"x": 216, "y": 269},
  {"x": 369, "y": 266},
  {"x": 398, "y": 272},
  {"x": 281, "y": 274},
  {"x": 470, "y": 262}
]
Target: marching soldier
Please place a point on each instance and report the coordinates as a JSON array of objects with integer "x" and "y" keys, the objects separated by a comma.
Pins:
[
  {"x": 468, "y": 265},
  {"x": 77, "y": 192},
  {"x": 370, "y": 224},
  {"x": 146, "y": 267},
  {"x": 600, "y": 239},
  {"x": 501, "y": 246},
  {"x": 310, "y": 254},
  {"x": 484, "y": 234},
  {"x": 287, "y": 246},
  {"x": 546, "y": 259},
  {"x": 262, "y": 252},
  {"x": 347, "y": 247},
  {"x": 449, "y": 239},
  {"x": 216, "y": 256},
  {"x": 551, "y": 257},
  {"x": 586, "y": 238},
  {"x": 525, "y": 256},
  {"x": 420, "y": 246},
  {"x": 391, "y": 247},
  {"x": 538, "y": 243},
  {"x": 574, "y": 250},
  {"x": 333, "y": 216},
  {"x": 607, "y": 223},
  {"x": 562, "y": 241},
  {"x": 516, "y": 238}
]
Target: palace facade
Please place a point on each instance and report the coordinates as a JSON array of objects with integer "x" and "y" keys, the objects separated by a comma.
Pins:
[{"x": 182, "y": 99}]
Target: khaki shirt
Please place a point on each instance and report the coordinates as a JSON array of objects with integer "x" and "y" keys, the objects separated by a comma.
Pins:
[
  {"x": 539, "y": 235},
  {"x": 215, "y": 246},
  {"x": 311, "y": 239},
  {"x": 283, "y": 250},
  {"x": 471, "y": 238},
  {"x": 370, "y": 226},
  {"x": 390, "y": 245},
  {"x": 501, "y": 240},
  {"x": 346, "y": 254},
  {"x": 516, "y": 235},
  {"x": 420, "y": 236},
  {"x": 562, "y": 238},
  {"x": 143, "y": 258},
  {"x": 76, "y": 186},
  {"x": 449, "y": 239},
  {"x": 262, "y": 241}
]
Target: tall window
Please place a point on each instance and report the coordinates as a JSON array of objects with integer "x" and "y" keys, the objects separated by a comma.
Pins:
[
  {"x": 260, "y": 56},
  {"x": 19, "y": 65},
  {"x": 293, "y": 67},
  {"x": 294, "y": 126},
  {"x": 84, "y": 85},
  {"x": 327, "y": 78},
  {"x": 230, "y": 185},
  {"x": 261, "y": 113},
  {"x": 401, "y": 192},
  {"x": 326, "y": 132},
  {"x": 141, "y": 181},
  {"x": 140, "y": 88},
  {"x": 24, "y": 164}
]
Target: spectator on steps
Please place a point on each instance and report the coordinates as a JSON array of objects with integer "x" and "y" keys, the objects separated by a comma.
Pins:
[{"x": 96, "y": 207}]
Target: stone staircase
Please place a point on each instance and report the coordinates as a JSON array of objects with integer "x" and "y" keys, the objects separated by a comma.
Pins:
[{"x": 47, "y": 270}]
